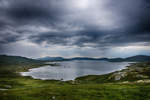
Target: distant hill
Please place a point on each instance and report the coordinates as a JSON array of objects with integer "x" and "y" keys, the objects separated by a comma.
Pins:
[
  {"x": 138, "y": 58},
  {"x": 18, "y": 60},
  {"x": 51, "y": 59},
  {"x": 116, "y": 59},
  {"x": 82, "y": 58},
  {"x": 68, "y": 59}
]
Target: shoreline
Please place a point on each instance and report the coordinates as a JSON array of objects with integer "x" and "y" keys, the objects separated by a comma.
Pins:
[{"x": 21, "y": 73}]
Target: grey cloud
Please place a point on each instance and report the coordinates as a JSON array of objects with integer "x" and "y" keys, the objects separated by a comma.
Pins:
[{"x": 104, "y": 23}]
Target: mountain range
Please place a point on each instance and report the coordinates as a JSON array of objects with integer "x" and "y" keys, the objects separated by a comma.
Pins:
[
  {"x": 137, "y": 58},
  {"x": 4, "y": 59}
]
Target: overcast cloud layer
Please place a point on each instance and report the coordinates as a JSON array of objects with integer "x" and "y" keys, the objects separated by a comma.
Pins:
[{"x": 68, "y": 28}]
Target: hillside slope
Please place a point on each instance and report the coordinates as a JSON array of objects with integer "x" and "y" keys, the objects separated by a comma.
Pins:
[{"x": 16, "y": 60}]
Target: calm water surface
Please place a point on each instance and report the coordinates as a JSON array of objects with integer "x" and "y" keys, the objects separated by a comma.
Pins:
[{"x": 69, "y": 70}]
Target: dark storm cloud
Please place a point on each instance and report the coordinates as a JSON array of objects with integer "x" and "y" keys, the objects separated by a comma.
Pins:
[
  {"x": 118, "y": 22},
  {"x": 31, "y": 12},
  {"x": 39, "y": 10},
  {"x": 99, "y": 38},
  {"x": 51, "y": 38}
]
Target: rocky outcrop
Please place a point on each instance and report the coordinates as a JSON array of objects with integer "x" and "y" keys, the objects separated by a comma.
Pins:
[
  {"x": 132, "y": 73},
  {"x": 119, "y": 75}
]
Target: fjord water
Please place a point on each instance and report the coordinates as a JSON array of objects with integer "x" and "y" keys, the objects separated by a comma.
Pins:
[{"x": 69, "y": 70}]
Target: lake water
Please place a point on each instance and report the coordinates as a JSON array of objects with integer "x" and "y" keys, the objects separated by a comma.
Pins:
[{"x": 69, "y": 70}]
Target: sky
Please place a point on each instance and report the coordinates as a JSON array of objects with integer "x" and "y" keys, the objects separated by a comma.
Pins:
[{"x": 75, "y": 28}]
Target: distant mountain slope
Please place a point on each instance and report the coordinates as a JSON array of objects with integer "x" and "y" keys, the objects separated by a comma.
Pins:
[
  {"x": 68, "y": 59},
  {"x": 51, "y": 59},
  {"x": 4, "y": 59},
  {"x": 138, "y": 58},
  {"x": 82, "y": 58},
  {"x": 116, "y": 60}
]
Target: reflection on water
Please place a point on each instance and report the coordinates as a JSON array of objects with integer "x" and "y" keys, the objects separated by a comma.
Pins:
[{"x": 69, "y": 70}]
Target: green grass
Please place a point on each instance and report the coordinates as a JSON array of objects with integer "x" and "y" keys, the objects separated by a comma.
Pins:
[
  {"x": 24, "y": 88},
  {"x": 92, "y": 87}
]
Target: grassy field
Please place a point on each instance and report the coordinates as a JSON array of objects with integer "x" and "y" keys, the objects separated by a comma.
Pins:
[
  {"x": 24, "y": 88},
  {"x": 93, "y": 87}
]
